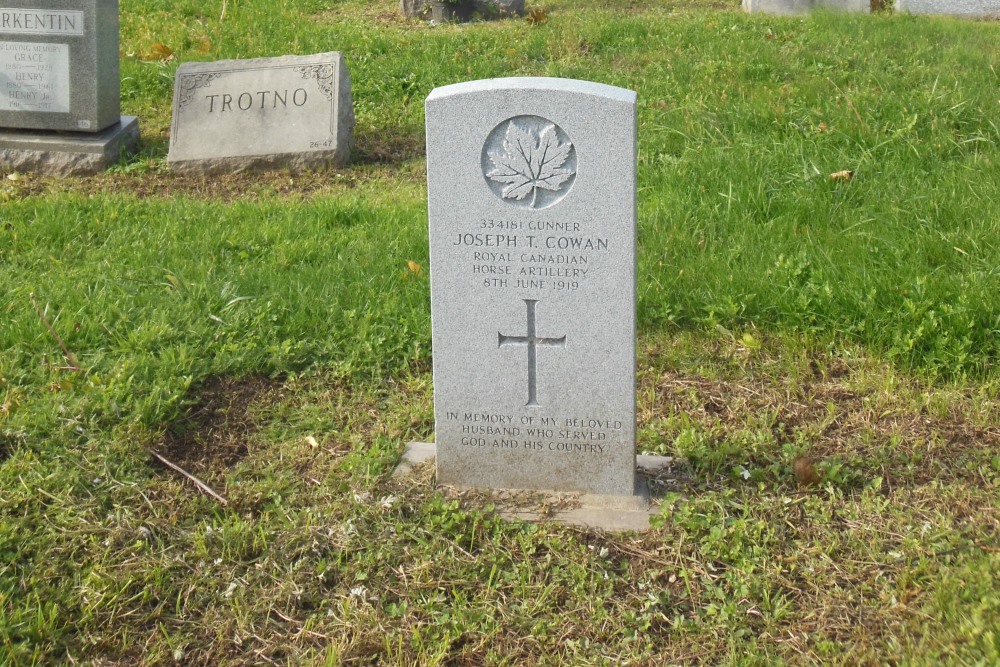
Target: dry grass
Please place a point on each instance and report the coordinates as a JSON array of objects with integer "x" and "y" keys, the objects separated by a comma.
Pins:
[{"x": 322, "y": 555}]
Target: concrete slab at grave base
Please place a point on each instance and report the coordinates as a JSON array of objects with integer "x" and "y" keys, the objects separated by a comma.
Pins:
[
  {"x": 612, "y": 513},
  {"x": 68, "y": 153}
]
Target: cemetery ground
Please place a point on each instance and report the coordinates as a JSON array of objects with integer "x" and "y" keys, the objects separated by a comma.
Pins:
[{"x": 819, "y": 332}]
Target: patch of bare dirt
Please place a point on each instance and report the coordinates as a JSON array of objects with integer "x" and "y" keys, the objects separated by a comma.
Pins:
[
  {"x": 214, "y": 434},
  {"x": 883, "y": 434}
]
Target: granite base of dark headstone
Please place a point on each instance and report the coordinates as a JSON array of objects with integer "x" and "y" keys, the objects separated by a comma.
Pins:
[{"x": 67, "y": 153}]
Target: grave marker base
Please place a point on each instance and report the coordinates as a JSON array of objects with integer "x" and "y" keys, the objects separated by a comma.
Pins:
[
  {"x": 611, "y": 513},
  {"x": 67, "y": 153}
]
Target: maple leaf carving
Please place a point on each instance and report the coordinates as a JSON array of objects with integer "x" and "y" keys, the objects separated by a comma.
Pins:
[{"x": 529, "y": 163}]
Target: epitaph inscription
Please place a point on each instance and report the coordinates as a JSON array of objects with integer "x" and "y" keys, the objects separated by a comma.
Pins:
[
  {"x": 34, "y": 77},
  {"x": 531, "y": 198}
]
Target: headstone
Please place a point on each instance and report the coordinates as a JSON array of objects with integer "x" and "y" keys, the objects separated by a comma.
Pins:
[
  {"x": 531, "y": 199},
  {"x": 443, "y": 11},
  {"x": 290, "y": 112},
  {"x": 796, "y": 7},
  {"x": 969, "y": 8},
  {"x": 410, "y": 8},
  {"x": 789, "y": 7},
  {"x": 501, "y": 7},
  {"x": 59, "y": 72},
  {"x": 487, "y": 8}
]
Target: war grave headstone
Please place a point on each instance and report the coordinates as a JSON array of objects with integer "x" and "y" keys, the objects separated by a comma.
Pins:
[
  {"x": 532, "y": 211},
  {"x": 290, "y": 112},
  {"x": 795, "y": 7},
  {"x": 968, "y": 8},
  {"x": 60, "y": 87}
]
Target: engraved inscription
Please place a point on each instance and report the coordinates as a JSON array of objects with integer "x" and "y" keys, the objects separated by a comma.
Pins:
[
  {"x": 529, "y": 162},
  {"x": 256, "y": 100},
  {"x": 535, "y": 435},
  {"x": 34, "y": 77},
  {"x": 532, "y": 254},
  {"x": 22, "y": 21},
  {"x": 532, "y": 342}
]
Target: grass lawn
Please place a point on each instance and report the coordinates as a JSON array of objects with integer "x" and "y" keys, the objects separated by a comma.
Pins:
[{"x": 271, "y": 334}]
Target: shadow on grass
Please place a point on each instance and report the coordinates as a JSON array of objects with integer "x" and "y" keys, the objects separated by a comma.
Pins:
[
  {"x": 374, "y": 147},
  {"x": 8, "y": 445},
  {"x": 146, "y": 175}
]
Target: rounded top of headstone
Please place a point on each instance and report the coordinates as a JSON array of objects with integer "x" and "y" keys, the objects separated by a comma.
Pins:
[{"x": 534, "y": 83}]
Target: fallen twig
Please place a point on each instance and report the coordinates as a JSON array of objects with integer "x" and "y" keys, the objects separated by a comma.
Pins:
[
  {"x": 200, "y": 484},
  {"x": 74, "y": 365}
]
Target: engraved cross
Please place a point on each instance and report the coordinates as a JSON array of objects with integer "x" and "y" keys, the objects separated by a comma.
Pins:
[{"x": 532, "y": 341}]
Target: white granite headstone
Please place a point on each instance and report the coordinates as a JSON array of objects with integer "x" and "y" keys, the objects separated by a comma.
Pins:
[
  {"x": 291, "y": 111},
  {"x": 531, "y": 198}
]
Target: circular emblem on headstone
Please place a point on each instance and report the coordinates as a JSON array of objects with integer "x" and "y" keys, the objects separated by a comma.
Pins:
[{"x": 529, "y": 162}]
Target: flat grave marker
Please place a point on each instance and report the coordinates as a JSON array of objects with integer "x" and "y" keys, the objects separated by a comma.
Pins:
[{"x": 291, "y": 111}]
